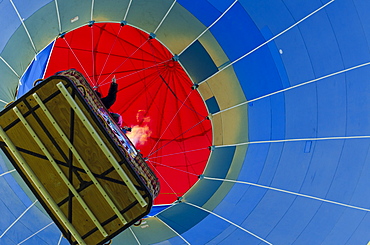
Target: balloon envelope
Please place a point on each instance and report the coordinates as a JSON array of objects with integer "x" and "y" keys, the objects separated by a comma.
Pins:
[{"x": 155, "y": 98}]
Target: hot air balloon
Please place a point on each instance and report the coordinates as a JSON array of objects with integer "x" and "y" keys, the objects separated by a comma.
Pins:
[{"x": 254, "y": 115}]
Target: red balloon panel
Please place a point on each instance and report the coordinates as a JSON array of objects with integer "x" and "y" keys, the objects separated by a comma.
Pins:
[{"x": 155, "y": 98}]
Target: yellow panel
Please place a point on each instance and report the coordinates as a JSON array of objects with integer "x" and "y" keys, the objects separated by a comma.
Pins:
[
  {"x": 110, "y": 10},
  {"x": 217, "y": 129},
  {"x": 235, "y": 125},
  {"x": 225, "y": 84},
  {"x": 230, "y": 127},
  {"x": 213, "y": 48},
  {"x": 41, "y": 37},
  {"x": 205, "y": 91},
  {"x": 179, "y": 29},
  {"x": 147, "y": 15},
  {"x": 74, "y": 14}
]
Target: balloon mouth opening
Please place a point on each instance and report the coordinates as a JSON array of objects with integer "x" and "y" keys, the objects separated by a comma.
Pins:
[{"x": 167, "y": 118}]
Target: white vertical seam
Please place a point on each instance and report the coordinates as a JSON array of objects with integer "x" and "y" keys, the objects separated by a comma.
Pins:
[{"x": 24, "y": 26}]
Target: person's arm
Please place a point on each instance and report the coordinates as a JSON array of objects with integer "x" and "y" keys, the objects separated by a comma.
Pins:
[{"x": 109, "y": 100}]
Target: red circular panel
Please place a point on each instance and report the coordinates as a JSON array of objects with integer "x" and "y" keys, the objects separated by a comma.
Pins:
[{"x": 168, "y": 118}]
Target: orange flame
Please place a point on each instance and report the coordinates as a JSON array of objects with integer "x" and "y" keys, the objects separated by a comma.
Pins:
[{"x": 139, "y": 134}]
